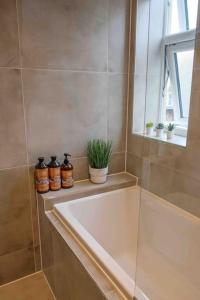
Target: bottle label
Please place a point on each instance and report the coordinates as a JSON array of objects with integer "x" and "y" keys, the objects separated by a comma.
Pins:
[
  {"x": 54, "y": 179},
  {"x": 67, "y": 178},
  {"x": 41, "y": 180}
]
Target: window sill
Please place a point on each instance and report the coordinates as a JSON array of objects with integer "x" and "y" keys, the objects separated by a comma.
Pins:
[{"x": 176, "y": 139}]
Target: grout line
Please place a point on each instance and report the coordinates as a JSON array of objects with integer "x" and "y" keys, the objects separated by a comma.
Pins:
[
  {"x": 25, "y": 129},
  {"x": 128, "y": 81},
  {"x": 49, "y": 285},
  {"x": 108, "y": 34},
  {"x": 63, "y": 70},
  {"x": 108, "y": 77},
  {"x": 15, "y": 167},
  {"x": 32, "y": 164}
]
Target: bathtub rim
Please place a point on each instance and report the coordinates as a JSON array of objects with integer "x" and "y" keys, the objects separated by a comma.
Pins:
[{"x": 121, "y": 282}]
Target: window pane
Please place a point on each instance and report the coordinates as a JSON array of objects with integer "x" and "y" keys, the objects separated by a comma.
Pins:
[
  {"x": 185, "y": 66},
  {"x": 169, "y": 117},
  {"x": 192, "y": 13},
  {"x": 182, "y": 15},
  {"x": 174, "y": 24}
]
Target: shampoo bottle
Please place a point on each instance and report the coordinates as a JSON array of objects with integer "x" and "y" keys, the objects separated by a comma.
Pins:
[
  {"x": 41, "y": 176},
  {"x": 54, "y": 174},
  {"x": 67, "y": 173}
]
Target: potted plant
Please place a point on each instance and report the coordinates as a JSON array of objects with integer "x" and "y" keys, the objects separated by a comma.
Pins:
[
  {"x": 159, "y": 129},
  {"x": 149, "y": 128},
  {"x": 99, "y": 153},
  {"x": 170, "y": 131}
]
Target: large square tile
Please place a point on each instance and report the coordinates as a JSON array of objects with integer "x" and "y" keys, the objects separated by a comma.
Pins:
[
  {"x": 33, "y": 287},
  {"x": 9, "y": 45},
  {"x": 117, "y": 109},
  {"x": 63, "y": 111},
  {"x": 16, "y": 265},
  {"x": 15, "y": 211},
  {"x": 66, "y": 34},
  {"x": 118, "y": 35},
  {"x": 12, "y": 129}
]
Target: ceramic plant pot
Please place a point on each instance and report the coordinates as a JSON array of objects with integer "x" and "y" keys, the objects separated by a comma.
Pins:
[
  {"x": 170, "y": 135},
  {"x": 149, "y": 130},
  {"x": 159, "y": 132},
  {"x": 98, "y": 175}
]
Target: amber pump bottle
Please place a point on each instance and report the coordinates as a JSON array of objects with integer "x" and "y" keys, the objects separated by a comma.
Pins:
[
  {"x": 54, "y": 174},
  {"x": 67, "y": 173},
  {"x": 41, "y": 176}
]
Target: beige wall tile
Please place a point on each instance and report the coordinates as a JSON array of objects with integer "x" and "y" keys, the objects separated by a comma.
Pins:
[
  {"x": 117, "y": 163},
  {"x": 12, "y": 132},
  {"x": 9, "y": 44},
  {"x": 16, "y": 264},
  {"x": 64, "y": 110},
  {"x": 33, "y": 287},
  {"x": 15, "y": 214},
  {"x": 118, "y": 35},
  {"x": 80, "y": 30},
  {"x": 117, "y": 109},
  {"x": 66, "y": 282},
  {"x": 134, "y": 165},
  {"x": 80, "y": 168}
]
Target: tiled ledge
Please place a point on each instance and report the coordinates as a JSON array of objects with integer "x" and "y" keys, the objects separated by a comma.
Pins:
[
  {"x": 85, "y": 188},
  {"x": 176, "y": 139}
]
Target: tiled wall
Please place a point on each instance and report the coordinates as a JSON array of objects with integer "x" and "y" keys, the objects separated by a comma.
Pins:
[
  {"x": 168, "y": 170},
  {"x": 63, "y": 80}
]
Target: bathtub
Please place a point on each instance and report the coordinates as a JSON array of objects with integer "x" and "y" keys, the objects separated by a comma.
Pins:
[{"x": 107, "y": 227}]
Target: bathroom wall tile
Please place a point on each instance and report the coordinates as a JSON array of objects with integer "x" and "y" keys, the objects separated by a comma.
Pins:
[
  {"x": 80, "y": 168},
  {"x": 118, "y": 36},
  {"x": 34, "y": 207},
  {"x": 15, "y": 214},
  {"x": 12, "y": 132},
  {"x": 157, "y": 179},
  {"x": 196, "y": 64},
  {"x": 117, "y": 109},
  {"x": 16, "y": 264},
  {"x": 138, "y": 98},
  {"x": 134, "y": 165},
  {"x": 47, "y": 255},
  {"x": 61, "y": 117},
  {"x": 9, "y": 46},
  {"x": 141, "y": 28},
  {"x": 117, "y": 163},
  {"x": 80, "y": 29},
  {"x": 37, "y": 258},
  {"x": 32, "y": 287},
  {"x": 66, "y": 282}
]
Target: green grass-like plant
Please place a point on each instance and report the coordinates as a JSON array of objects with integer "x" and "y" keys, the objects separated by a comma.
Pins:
[
  {"x": 170, "y": 127},
  {"x": 99, "y": 153}
]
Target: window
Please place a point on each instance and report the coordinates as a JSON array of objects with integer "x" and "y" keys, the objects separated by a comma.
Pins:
[{"x": 178, "y": 49}]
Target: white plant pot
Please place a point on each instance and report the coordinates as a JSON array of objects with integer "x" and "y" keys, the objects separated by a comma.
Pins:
[
  {"x": 149, "y": 130},
  {"x": 170, "y": 135},
  {"x": 159, "y": 132},
  {"x": 98, "y": 175}
]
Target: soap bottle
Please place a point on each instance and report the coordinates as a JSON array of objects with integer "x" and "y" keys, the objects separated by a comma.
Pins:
[
  {"x": 41, "y": 176},
  {"x": 67, "y": 173},
  {"x": 54, "y": 174}
]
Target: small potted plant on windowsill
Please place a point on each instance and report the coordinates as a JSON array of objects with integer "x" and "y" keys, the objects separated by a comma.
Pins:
[
  {"x": 159, "y": 129},
  {"x": 149, "y": 128},
  {"x": 99, "y": 153},
  {"x": 170, "y": 131}
]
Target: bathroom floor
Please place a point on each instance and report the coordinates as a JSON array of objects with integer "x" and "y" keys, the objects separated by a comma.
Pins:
[{"x": 33, "y": 287}]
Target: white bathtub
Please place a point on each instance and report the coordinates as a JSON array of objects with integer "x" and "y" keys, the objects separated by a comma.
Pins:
[{"x": 107, "y": 225}]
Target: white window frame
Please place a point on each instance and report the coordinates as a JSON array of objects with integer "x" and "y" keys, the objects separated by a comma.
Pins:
[{"x": 171, "y": 44}]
